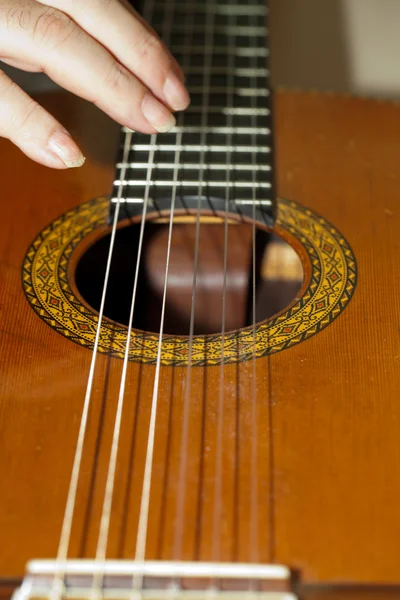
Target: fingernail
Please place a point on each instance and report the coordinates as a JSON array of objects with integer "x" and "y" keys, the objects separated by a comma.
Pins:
[
  {"x": 157, "y": 115},
  {"x": 62, "y": 144},
  {"x": 175, "y": 93}
]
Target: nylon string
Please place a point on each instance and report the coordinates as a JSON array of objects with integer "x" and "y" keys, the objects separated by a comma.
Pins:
[
  {"x": 141, "y": 539},
  {"x": 62, "y": 554},
  {"x": 180, "y": 504},
  {"x": 102, "y": 543},
  {"x": 144, "y": 506},
  {"x": 220, "y": 408},
  {"x": 254, "y": 517},
  {"x": 145, "y": 500},
  {"x": 63, "y": 548}
]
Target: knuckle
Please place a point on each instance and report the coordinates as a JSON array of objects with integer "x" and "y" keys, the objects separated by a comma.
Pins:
[
  {"x": 27, "y": 115},
  {"x": 17, "y": 15},
  {"x": 116, "y": 77},
  {"x": 5, "y": 83},
  {"x": 106, "y": 3},
  {"x": 150, "y": 47},
  {"x": 7, "y": 86},
  {"x": 119, "y": 91},
  {"x": 15, "y": 116},
  {"x": 52, "y": 28}
]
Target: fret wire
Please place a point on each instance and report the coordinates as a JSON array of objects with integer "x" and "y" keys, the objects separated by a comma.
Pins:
[
  {"x": 195, "y": 166},
  {"x": 200, "y": 148},
  {"x": 243, "y": 201},
  {"x": 218, "y": 130},
  {"x": 224, "y": 110},
  {"x": 239, "y": 91},
  {"x": 237, "y": 71},
  {"x": 243, "y": 51},
  {"x": 239, "y": 30},
  {"x": 248, "y": 202},
  {"x": 251, "y": 9},
  {"x": 160, "y": 183},
  {"x": 224, "y": 130}
]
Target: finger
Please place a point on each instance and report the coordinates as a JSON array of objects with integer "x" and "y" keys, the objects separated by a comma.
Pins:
[
  {"x": 34, "y": 130},
  {"x": 135, "y": 45},
  {"x": 19, "y": 64},
  {"x": 76, "y": 61}
]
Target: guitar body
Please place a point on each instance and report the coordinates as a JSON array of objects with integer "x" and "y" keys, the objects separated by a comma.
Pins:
[{"x": 324, "y": 479}]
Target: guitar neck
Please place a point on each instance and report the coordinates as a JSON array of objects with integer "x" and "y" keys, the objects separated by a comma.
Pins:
[{"x": 222, "y": 144}]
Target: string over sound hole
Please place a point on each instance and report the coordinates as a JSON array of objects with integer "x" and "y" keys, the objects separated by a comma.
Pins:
[{"x": 279, "y": 276}]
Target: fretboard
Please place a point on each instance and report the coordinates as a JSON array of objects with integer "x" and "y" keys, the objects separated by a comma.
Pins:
[{"x": 224, "y": 138}]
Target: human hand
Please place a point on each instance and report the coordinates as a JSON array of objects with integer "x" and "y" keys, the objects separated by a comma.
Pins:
[{"x": 101, "y": 50}]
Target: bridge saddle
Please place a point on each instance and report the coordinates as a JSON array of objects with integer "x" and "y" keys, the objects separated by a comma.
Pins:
[{"x": 153, "y": 580}]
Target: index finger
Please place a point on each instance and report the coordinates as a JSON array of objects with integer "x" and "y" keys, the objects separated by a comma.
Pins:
[
  {"x": 76, "y": 61},
  {"x": 121, "y": 30}
]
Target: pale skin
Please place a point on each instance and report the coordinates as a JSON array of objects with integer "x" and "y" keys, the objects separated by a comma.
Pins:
[{"x": 101, "y": 50}]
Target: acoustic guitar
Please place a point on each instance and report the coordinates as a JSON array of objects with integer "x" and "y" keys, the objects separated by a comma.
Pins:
[{"x": 200, "y": 384}]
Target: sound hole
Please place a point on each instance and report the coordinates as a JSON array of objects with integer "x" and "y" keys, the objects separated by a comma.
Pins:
[{"x": 279, "y": 277}]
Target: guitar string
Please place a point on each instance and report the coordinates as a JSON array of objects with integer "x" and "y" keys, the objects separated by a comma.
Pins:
[
  {"x": 216, "y": 551},
  {"x": 180, "y": 503},
  {"x": 102, "y": 543},
  {"x": 62, "y": 554},
  {"x": 254, "y": 516},
  {"x": 145, "y": 499},
  {"x": 90, "y": 382},
  {"x": 103, "y": 536},
  {"x": 107, "y": 504},
  {"x": 271, "y": 525},
  {"x": 63, "y": 548},
  {"x": 141, "y": 538}
]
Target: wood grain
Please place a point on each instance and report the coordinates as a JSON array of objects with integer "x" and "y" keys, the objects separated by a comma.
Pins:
[
  {"x": 335, "y": 417},
  {"x": 327, "y": 410}
]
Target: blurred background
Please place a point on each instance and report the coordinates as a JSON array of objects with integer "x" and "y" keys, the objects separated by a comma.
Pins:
[
  {"x": 340, "y": 45},
  {"x": 350, "y": 46}
]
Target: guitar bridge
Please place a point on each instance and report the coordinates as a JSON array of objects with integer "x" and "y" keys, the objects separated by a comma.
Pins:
[{"x": 153, "y": 580}]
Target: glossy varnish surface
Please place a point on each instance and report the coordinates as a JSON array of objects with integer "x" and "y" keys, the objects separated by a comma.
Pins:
[{"x": 327, "y": 409}]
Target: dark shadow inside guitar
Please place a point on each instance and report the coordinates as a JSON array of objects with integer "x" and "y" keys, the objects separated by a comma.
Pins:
[{"x": 217, "y": 297}]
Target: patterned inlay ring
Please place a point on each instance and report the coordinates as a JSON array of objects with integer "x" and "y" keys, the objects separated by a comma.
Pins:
[{"x": 330, "y": 288}]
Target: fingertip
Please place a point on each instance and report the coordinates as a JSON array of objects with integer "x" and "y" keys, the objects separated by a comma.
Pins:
[
  {"x": 156, "y": 114},
  {"x": 42, "y": 156},
  {"x": 47, "y": 157},
  {"x": 175, "y": 93},
  {"x": 65, "y": 149}
]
